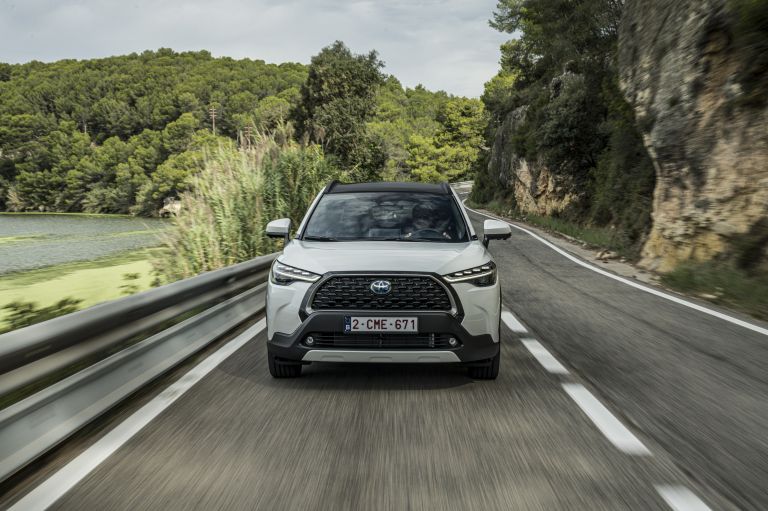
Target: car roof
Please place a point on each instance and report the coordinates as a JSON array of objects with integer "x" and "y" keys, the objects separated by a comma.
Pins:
[{"x": 389, "y": 186}]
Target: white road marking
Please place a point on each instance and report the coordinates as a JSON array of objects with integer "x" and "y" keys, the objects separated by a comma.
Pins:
[
  {"x": 611, "y": 427},
  {"x": 544, "y": 357},
  {"x": 512, "y": 322},
  {"x": 681, "y": 498},
  {"x": 653, "y": 291},
  {"x": 73, "y": 472}
]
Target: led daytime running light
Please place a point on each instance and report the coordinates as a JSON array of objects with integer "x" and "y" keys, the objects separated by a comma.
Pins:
[
  {"x": 283, "y": 272},
  {"x": 472, "y": 273}
]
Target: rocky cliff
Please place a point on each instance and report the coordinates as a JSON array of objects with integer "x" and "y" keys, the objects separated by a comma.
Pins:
[
  {"x": 535, "y": 188},
  {"x": 679, "y": 69}
]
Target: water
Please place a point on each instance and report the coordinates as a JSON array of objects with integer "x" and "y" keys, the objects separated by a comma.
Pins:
[{"x": 29, "y": 241}]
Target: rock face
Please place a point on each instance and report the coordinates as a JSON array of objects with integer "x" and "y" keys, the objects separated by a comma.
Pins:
[
  {"x": 710, "y": 150},
  {"x": 536, "y": 189}
]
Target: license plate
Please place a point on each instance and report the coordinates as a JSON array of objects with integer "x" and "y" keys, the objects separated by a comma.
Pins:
[{"x": 379, "y": 324}]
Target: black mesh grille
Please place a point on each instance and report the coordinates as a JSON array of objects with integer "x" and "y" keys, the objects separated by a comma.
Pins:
[
  {"x": 353, "y": 292},
  {"x": 381, "y": 341}
]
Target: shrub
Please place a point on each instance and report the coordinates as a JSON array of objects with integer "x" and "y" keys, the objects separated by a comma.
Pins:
[{"x": 224, "y": 216}]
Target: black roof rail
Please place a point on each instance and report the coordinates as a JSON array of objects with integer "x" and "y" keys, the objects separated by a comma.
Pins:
[
  {"x": 389, "y": 186},
  {"x": 331, "y": 185}
]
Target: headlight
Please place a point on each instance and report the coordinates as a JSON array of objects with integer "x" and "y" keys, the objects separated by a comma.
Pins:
[
  {"x": 283, "y": 274},
  {"x": 482, "y": 276}
]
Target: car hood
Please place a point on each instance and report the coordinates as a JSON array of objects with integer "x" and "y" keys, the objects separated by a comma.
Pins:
[{"x": 383, "y": 256}]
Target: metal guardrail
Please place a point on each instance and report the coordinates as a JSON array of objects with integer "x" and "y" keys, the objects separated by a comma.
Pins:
[{"x": 34, "y": 425}]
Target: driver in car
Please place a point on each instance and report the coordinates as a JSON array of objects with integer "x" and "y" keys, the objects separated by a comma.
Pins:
[{"x": 426, "y": 222}]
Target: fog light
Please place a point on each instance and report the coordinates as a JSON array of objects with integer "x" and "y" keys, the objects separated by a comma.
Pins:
[
  {"x": 309, "y": 341},
  {"x": 453, "y": 342}
]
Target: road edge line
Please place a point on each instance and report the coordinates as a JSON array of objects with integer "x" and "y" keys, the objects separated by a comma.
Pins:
[{"x": 647, "y": 289}]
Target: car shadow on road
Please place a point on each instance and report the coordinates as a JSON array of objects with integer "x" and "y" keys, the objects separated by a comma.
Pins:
[{"x": 333, "y": 376}]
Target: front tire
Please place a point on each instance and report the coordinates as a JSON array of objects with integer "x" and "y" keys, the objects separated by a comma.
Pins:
[
  {"x": 487, "y": 371},
  {"x": 279, "y": 369}
]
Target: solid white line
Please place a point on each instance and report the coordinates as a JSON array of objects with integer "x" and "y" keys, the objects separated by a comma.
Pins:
[
  {"x": 611, "y": 427},
  {"x": 681, "y": 498},
  {"x": 73, "y": 472},
  {"x": 512, "y": 322},
  {"x": 656, "y": 292},
  {"x": 544, "y": 357}
]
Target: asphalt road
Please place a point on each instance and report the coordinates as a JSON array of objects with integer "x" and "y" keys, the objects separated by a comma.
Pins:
[
  {"x": 690, "y": 389},
  {"x": 695, "y": 384}
]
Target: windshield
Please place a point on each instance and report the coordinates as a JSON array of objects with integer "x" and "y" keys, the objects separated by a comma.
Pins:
[{"x": 392, "y": 216}]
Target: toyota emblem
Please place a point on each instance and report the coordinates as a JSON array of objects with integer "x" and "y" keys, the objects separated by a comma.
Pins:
[{"x": 381, "y": 287}]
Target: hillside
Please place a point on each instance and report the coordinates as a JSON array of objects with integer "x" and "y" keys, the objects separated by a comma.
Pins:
[{"x": 122, "y": 134}]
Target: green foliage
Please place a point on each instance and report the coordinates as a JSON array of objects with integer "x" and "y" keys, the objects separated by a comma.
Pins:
[
  {"x": 337, "y": 100},
  {"x": 561, "y": 69},
  {"x": 123, "y": 134},
  {"x": 452, "y": 152},
  {"x": 750, "y": 41},
  {"x": 499, "y": 93},
  {"x": 623, "y": 180},
  {"x": 401, "y": 114},
  {"x": 90, "y": 135},
  {"x": 237, "y": 192},
  {"x": 20, "y": 314}
]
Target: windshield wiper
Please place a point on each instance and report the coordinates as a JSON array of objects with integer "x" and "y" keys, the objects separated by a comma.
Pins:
[{"x": 318, "y": 238}]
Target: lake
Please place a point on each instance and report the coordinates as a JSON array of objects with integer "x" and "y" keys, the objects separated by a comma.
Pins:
[{"x": 31, "y": 240}]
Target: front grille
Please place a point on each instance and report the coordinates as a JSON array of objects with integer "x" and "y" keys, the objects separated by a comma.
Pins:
[
  {"x": 353, "y": 292},
  {"x": 381, "y": 341}
]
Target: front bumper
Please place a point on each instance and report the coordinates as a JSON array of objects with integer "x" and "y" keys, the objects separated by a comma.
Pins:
[{"x": 472, "y": 348}]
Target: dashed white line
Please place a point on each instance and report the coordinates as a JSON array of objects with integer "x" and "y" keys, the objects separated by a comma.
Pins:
[
  {"x": 610, "y": 426},
  {"x": 681, "y": 498},
  {"x": 646, "y": 289},
  {"x": 545, "y": 358},
  {"x": 73, "y": 472},
  {"x": 512, "y": 322}
]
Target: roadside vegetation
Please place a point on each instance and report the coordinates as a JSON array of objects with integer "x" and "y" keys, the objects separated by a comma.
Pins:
[
  {"x": 123, "y": 134},
  {"x": 596, "y": 237},
  {"x": 724, "y": 284},
  {"x": 561, "y": 72},
  {"x": 234, "y": 197}
]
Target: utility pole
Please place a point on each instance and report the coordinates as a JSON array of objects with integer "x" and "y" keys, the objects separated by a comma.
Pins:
[
  {"x": 248, "y": 134},
  {"x": 212, "y": 112}
]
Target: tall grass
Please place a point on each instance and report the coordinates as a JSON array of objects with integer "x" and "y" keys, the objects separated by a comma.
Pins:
[{"x": 224, "y": 216}]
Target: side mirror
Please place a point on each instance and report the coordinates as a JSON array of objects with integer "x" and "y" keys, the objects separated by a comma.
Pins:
[
  {"x": 495, "y": 230},
  {"x": 280, "y": 228}
]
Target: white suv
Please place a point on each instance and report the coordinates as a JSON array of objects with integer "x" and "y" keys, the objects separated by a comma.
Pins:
[{"x": 384, "y": 272}]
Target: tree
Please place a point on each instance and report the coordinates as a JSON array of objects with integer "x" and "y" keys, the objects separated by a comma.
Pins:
[
  {"x": 453, "y": 151},
  {"x": 560, "y": 71},
  {"x": 337, "y": 99},
  {"x": 112, "y": 135}
]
